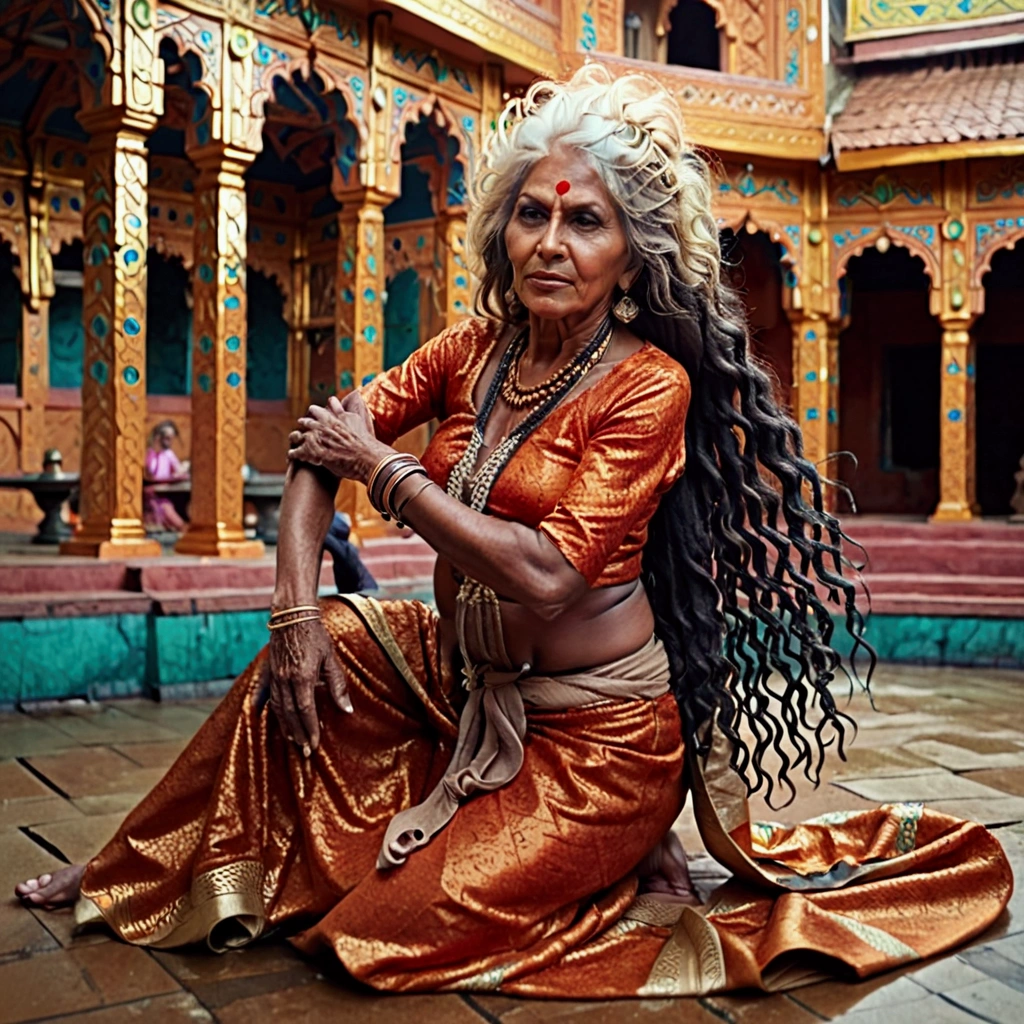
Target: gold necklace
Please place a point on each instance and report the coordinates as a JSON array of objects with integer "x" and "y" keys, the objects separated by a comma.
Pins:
[{"x": 516, "y": 396}]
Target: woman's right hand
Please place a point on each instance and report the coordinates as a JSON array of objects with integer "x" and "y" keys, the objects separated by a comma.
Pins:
[{"x": 302, "y": 657}]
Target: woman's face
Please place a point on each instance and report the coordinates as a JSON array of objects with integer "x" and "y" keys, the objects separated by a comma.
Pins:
[
  {"x": 566, "y": 245},
  {"x": 166, "y": 437}
]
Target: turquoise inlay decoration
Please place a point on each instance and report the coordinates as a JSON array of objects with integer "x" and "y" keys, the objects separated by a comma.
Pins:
[
  {"x": 205, "y": 273},
  {"x": 345, "y": 344},
  {"x": 232, "y": 302},
  {"x": 100, "y": 372},
  {"x": 748, "y": 186},
  {"x": 833, "y": 416},
  {"x": 204, "y": 383},
  {"x": 812, "y": 414},
  {"x": 206, "y": 344},
  {"x": 130, "y": 375},
  {"x": 811, "y": 336},
  {"x": 368, "y": 378},
  {"x": 347, "y": 266},
  {"x": 131, "y": 256},
  {"x": 876, "y": 19},
  {"x": 233, "y": 344},
  {"x": 346, "y": 380},
  {"x": 371, "y": 266},
  {"x": 954, "y": 415},
  {"x": 55, "y": 202},
  {"x": 348, "y": 296},
  {"x": 369, "y": 295},
  {"x": 132, "y": 326},
  {"x": 401, "y": 318},
  {"x": 312, "y": 17},
  {"x": 588, "y": 29},
  {"x": 234, "y": 379},
  {"x": 811, "y": 376},
  {"x": 952, "y": 369},
  {"x": 370, "y": 334},
  {"x": 103, "y": 223},
  {"x": 133, "y": 221},
  {"x": 441, "y": 71},
  {"x": 99, "y": 326},
  {"x": 98, "y": 254},
  {"x": 970, "y": 371},
  {"x": 266, "y": 357},
  {"x": 792, "y": 19}
]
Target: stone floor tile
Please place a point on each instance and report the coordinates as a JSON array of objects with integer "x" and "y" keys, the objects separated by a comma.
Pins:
[
  {"x": 1001, "y": 810},
  {"x": 46, "y": 985},
  {"x": 95, "y": 771},
  {"x": 15, "y": 813},
  {"x": 1012, "y": 947},
  {"x": 868, "y": 762},
  {"x": 180, "y": 1008},
  {"x": 939, "y": 785},
  {"x": 22, "y": 735},
  {"x": 759, "y": 1009},
  {"x": 321, "y": 1001},
  {"x": 961, "y": 759},
  {"x": 98, "y": 725},
  {"x": 977, "y": 741},
  {"x": 988, "y": 959},
  {"x": 20, "y": 858},
  {"x": 933, "y": 1010},
  {"x": 946, "y": 974},
  {"x": 81, "y": 838},
  {"x": 20, "y": 933},
  {"x": 618, "y": 1011},
  {"x": 60, "y": 923},
  {"x": 153, "y": 755},
  {"x": 17, "y": 783},
  {"x": 1008, "y": 780},
  {"x": 990, "y": 1000},
  {"x": 121, "y": 973},
  {"x": 112, "y": 803},
  {"x": 182, "y": 719},
  {"x": 1012, "y": 841},
  {"x": 832, "y": 998}
]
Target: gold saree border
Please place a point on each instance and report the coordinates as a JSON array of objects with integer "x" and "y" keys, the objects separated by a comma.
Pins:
[{"x": 232, "y": 892}]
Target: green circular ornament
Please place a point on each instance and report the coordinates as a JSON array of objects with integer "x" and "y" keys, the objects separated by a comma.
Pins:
[
  {"x": 954, "y": 229},
  {"x": 814, "y": 236},
  {"x": 142, "y": 13}
]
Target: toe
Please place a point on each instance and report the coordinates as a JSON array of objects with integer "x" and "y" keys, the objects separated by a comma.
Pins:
[{"x": 45, "y": 880}]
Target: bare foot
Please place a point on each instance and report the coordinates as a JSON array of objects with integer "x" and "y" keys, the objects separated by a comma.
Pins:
[
  {"x": 50, "y": 891},
  {"x": 664, "y": 872}
]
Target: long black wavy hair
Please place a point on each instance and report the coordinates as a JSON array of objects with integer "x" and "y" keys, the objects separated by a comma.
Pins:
[{"x": 742, "y": 560}]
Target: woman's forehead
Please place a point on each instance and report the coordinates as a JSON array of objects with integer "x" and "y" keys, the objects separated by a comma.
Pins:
[{"x": 565, "y": 165}]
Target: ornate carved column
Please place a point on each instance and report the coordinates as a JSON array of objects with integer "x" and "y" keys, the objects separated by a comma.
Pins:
[
  {"x": 218, "y": 358},
  {"x": 450, "y": 239},
  {"x": 957, "y": 451},
  {"x": 116, "y": 237}
]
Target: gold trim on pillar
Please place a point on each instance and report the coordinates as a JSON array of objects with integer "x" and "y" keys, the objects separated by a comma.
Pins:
[{"x": 116, "y": 235}]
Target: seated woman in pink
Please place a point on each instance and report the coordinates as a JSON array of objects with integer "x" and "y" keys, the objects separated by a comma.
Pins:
[{"x": 163, "y": 466}]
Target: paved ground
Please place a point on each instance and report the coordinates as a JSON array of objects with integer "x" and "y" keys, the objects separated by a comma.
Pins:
[{"x": 952, "y": 737}]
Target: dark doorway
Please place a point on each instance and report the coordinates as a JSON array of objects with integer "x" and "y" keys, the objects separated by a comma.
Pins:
[
  {"x": 693, "y": 39},
  {"x": 889, "y": 380},
  {"x": 1000, "y": 368}
]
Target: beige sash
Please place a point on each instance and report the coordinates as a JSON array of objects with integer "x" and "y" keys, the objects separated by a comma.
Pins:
[{"x": 489, "y": 750}]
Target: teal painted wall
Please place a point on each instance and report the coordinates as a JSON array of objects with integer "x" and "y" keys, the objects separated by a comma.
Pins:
[
  {"x": 67, "y": 339},
  {"x": 401, "y": 318},
  {"x": 267, "y": 344},
  {"x": 168, "y": 327}
]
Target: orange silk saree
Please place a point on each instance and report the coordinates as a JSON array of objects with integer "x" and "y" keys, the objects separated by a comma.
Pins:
[{"x": 530, "y": 889}]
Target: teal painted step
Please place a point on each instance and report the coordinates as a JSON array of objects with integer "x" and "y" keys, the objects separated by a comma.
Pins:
[{"x": 123, "y": 655}]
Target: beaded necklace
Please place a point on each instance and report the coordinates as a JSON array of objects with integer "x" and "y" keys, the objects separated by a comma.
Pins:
[{"x": 480, "y": 482}]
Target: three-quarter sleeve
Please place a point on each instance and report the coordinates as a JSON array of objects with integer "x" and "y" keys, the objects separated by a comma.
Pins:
[{"x": 633, "y": 456}]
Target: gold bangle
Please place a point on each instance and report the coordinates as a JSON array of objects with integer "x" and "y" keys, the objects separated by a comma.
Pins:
[
  {"x": 395, "y": 480},
  {"x": 384, "y": 478},
  {"x": 297, "y": 608},
  {"x": 291, "y": 622}
]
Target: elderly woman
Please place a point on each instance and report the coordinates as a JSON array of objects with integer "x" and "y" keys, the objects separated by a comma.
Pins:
[{"x": 482, "y": 799}]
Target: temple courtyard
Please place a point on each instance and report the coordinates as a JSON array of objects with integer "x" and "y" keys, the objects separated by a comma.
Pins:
[{"x": 69, "y": 772}]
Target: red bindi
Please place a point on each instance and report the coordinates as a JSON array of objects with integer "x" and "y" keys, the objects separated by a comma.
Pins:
[{"x": 562, "y": 187}]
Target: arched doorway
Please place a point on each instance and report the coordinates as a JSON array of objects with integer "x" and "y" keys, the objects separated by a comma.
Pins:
[
  {"x": 999, "y": 415},
  {"x": 693, "y": 39},
  {"x": 169, "y": 327},
  {"x": 889, "y": 358},
  {"x": 67, "y": 336},
  {"x": 401, "y": 317},
  {"x": 10, "y": 318},
  {"x": 752, "y": 265},
  {"x": 266, "y": 376}
]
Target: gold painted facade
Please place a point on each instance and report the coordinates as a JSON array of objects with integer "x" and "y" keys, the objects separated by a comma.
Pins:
[{"x": 331, "y": 254}]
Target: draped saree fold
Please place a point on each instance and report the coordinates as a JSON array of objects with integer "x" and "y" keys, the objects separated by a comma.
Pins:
[{"x": 530, "y": 889}]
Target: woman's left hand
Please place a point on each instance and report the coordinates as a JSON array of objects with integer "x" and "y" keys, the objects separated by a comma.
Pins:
[{"x": 339, "y": 437}]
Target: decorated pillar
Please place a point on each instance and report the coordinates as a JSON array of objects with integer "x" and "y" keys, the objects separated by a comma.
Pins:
[
  {"x": 219, "y": 358},
  {"x": 450, "y": 239},
  {"x": 957, "y": 451},
  {"x": 116, "y": 238},
  {"x": 814, "y": 401}
]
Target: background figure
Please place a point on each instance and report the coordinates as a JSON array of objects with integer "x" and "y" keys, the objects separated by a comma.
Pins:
[
  {"x": 350, "y": 574},
  {"x": 162, "y": 467}
]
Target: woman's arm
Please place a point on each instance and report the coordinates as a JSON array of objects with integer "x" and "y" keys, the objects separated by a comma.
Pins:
[
  {"x": 517, "y": 562},
  {"x": 302, "y": 655}
]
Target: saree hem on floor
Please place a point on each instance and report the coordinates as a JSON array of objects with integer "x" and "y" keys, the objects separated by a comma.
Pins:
[{"x": 530, "y": 889}]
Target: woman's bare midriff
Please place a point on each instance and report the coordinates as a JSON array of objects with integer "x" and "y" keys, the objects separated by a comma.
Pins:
[{"x": 604, "y": 625}]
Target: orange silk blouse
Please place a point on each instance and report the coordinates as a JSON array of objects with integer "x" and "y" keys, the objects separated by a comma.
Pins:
[{"x": 589, "y": 477}]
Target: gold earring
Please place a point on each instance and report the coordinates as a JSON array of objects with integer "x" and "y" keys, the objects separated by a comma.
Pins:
[{"x": 626, "y": 309}]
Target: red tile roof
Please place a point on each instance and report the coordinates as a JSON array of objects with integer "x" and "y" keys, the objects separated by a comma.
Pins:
[{"x": 957, "y": 97}]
